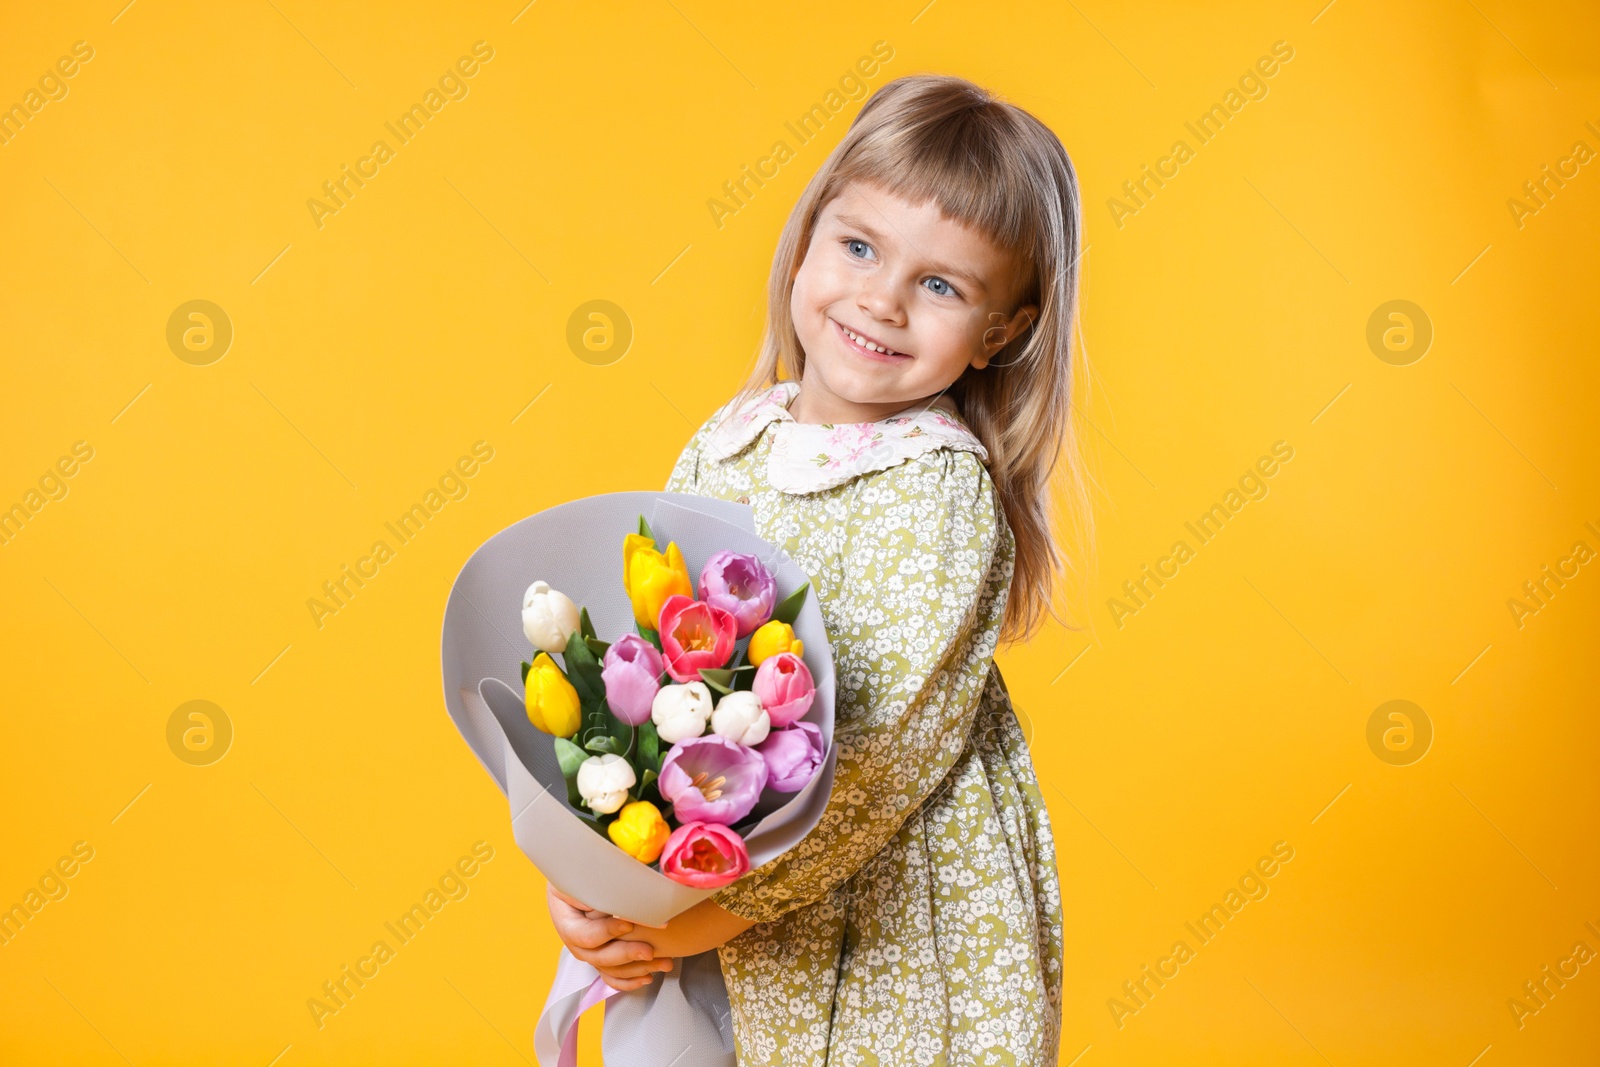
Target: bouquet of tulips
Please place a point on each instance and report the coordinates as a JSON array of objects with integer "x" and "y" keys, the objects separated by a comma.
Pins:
[
  {"x": 668, "y": 736},
  {"x": 644, "y": 772}
]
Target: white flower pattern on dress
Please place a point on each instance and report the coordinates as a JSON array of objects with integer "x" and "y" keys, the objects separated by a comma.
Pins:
[{"x": 920, "y": 923}]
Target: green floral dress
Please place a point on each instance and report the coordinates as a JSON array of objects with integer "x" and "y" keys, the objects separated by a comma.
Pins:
[{"x": 920, "y": 922}]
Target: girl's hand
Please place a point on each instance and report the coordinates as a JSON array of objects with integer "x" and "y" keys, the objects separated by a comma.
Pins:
[
  {"x": 591, "y": 936},
  {"x": 704, "y": 927}
]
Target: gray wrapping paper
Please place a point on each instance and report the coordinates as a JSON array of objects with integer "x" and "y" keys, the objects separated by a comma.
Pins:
[{"x": 681, "y": 1018}]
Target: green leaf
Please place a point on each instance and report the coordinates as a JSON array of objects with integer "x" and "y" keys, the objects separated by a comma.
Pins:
[
  {"x": 744, "y": 678},
  {"x": 585, "y": 627},
  {"x": 526, "y": 667},
  {"x": 620, "y": 732},
  {"x": 789, "y": 610},
  {"x": 718, "y": 678},
  {"x": 648, "y": 634},
  {"x": 596, "y": 723},
  {"x": 644, "y": 528},
  {"x": 583, "y": 670},
  {"x": 727, "y": 679},
  {"x": 602, "y": 745},
  {"x": 571, "y": 757},
  {"x": 649, "y": 746},
  {"x": 597, "y": 646},
  {"x": 645, "y": 781}
]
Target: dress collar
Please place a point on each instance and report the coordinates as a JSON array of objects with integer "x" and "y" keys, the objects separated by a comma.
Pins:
[{"x": 811, "y": 457}]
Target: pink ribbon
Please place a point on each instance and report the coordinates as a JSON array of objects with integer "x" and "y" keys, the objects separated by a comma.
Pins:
[{"x": 577, "y": 988}]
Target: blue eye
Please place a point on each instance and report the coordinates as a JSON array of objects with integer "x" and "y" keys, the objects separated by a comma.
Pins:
[{"x": 946, "y": 289}]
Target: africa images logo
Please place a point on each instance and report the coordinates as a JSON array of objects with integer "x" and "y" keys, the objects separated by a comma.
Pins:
[{"x": 339, "y": 191}]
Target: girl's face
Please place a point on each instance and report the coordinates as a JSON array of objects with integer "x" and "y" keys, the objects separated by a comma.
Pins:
[{"x": 903, "y": 277}]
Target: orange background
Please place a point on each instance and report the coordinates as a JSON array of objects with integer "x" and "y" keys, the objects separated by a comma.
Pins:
[{"x": 1177, "y": 744}]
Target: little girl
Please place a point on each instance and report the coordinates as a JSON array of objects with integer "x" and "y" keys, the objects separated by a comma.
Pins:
[{"x": 896, "y": 437}]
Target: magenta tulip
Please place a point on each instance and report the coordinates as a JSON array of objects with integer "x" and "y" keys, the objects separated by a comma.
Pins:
[
  {"x": 741, "y": 586},
  {"x": 631, "y": 671},
  {"x": 784, "y": 686},
  {"x": 792, "y": 756},
  {"x": 712, "y": 779},
  {"x": 704, "y": 855},
  {"x": 694, "y": 634}
]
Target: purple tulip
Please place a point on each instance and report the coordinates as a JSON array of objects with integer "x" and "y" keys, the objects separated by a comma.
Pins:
[
  {"x": 711, "y": 779},
  {"x": 792, "y": 756},
  {"x": 785, "y": 688},
  {"x": 741, "y": 586},
  {"x": 631, "y": 671}
]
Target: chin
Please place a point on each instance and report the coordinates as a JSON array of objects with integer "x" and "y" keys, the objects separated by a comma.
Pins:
[{"x": 851, "y": 385}]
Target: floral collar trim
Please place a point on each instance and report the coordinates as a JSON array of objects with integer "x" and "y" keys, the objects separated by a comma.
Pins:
[{"x": 811, "y": 457}]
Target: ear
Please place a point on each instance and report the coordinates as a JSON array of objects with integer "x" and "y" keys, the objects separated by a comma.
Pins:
[
  {"x": 1026, "y": 316},
  {"x": 1003, "y": 331}
]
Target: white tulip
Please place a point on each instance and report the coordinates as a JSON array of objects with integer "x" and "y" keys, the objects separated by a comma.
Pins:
[
  {"x": 740, "y": 718},
  {"x": 604, "y": 782},
  {"x": 548, "y": 617},
  {"x": 680, "y": 711}
]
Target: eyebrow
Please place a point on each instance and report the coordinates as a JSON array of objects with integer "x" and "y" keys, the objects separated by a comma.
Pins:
[{"x": 966, "y": 276}]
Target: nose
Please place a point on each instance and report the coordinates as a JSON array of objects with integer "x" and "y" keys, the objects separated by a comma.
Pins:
[{"x": 879, "y": 297}]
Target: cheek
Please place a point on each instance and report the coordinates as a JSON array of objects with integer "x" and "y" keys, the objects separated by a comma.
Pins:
[
  {"x": 800, "y": 292},
  {"x": 814, "y": 285},
  {"x": 961, "y": 339},
  {"x": 814, "y": 292},
  {"x": 805, "y": 316},
  {"x": 800, "y": 303},
  {"x": 957, "y": 336}
]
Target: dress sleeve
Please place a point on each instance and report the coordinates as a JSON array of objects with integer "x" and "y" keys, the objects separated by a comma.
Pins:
[{"x": 914, "y": 627}]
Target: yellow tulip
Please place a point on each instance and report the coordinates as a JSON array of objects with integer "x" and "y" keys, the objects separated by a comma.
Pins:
[
  {"x": 640, "y": 831},
  {"x": 552, "y": 702},
  {"x": 651, "y": 577},
  {"x": 773, "y": 637}
]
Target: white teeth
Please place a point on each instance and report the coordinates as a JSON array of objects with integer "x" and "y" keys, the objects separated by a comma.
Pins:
[{"x": 864, "y": 343}]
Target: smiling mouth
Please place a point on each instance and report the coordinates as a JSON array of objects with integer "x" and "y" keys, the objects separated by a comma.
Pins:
[{"x": 866, "y": 345}]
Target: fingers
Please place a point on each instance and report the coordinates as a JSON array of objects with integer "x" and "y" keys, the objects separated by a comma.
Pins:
[
  {"x": 573, "y": 901},
  {"x": 596, "y": 913},
  {"x": 641, "y": 969},
  {"x": 578, "y": 930},
  {"x": 613, "y": 953},
  {"x": 580, "y": 934},
  {"x": 624, "y": 978}
]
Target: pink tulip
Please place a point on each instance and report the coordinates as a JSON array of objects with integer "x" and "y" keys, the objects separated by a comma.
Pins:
[
  {"x": 784, "y": 686},
  {"x": 631, "y": 672},
  {"x": 741, "y": 586},
  {"x": 694, "y": 634},
  {"x": 792, "y": 756},
  {"x": 712, "y": 779},
  {"x": 704, "y": 855}
]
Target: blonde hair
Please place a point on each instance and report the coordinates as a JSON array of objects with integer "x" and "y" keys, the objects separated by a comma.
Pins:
[{"x": 995, "y": 168}]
